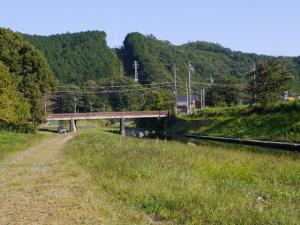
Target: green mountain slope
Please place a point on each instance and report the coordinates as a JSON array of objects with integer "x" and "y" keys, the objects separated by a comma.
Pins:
[
  {"x": 78, "y": 57},
  {"x": 156, "y": 58}
]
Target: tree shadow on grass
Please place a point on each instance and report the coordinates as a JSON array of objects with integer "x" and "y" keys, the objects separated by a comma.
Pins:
[{"x": 219, "y": 125}]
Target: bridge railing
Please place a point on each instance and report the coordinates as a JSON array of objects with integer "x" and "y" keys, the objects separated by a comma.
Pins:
[{"x": 106, "y": 114}]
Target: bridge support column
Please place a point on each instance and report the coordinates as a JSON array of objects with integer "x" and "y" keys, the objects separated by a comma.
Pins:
[
  {"x": 122, "y": 127},
  {"x": 73, "y": 125}
]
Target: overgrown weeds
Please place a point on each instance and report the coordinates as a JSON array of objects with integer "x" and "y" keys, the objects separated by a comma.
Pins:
[
  {"x": 280, "y": 122},
  {"x": 177, "y": 183}
]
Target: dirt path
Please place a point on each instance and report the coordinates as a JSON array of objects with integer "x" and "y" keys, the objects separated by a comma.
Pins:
[{"x": 41, "y": 186}]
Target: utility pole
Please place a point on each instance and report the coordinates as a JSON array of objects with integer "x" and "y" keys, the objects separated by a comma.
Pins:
[
  {"x": 254, "y": 80},
  {"x": 45, "y": 104},
  {"x": 121, "y": 71},
  {"x": 175, "y": 86},
  {"x": 203, "y": 98},
  {"x": 255, "y": 88},
  {"x": 211, "y": 79},
  {"x": 75, "y": 104},
  {"x": 190, "y": 87},
  {"x": 136, "y": 75},
  {"x": 91, "y": 106},
  {"x": 187, "y": 99}
]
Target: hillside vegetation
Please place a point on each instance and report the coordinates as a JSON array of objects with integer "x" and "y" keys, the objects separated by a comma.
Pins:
[
  {"x": 278, "y": 123},
  {"x": 78, "y": 57},
  {"x": 157, "y": 57},
  {"x": 175, "y": 183}
]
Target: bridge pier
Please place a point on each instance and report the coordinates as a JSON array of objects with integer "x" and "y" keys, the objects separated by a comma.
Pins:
[
  {"x": 122, "y": 127},
  {"x": 73, "y": 127}
]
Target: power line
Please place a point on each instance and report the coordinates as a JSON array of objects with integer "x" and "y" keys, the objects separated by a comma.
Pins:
[
  {"x": 114, "y": 86},
  {"x": 216, "y": 84},
  {"x": 108, "y": 91}
]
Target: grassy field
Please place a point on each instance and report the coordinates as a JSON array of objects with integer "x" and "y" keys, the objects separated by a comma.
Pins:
[
  {"x": 177, "y": 183},
  {"x": 281, "y": 123},
  {"x": 11, "y": 142}
]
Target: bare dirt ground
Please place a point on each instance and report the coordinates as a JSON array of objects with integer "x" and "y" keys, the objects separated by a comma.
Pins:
[{"x": 41, "y": 186}]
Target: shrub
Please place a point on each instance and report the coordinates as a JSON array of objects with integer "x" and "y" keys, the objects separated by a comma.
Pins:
[{"x": 20, "y": 128}]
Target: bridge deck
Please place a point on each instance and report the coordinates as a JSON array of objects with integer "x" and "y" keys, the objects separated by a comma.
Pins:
[{"x": 106, "y": 115}]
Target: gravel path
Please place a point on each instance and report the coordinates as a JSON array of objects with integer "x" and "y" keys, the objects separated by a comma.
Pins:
[{"x": 41, "y": 186}]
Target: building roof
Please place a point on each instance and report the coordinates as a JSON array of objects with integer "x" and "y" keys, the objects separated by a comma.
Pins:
[{"x": 182, "y": 100}]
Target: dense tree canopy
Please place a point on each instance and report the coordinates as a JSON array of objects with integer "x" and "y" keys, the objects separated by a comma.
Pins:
[
  {"x": 158, "y": 100},
  {"x": 157, "y": 57},
  {"x": 268, "y": 82},
  {"x": 29, "y": 68},
  {"x": 13, "y": 106},
  {"x": 78, "y": 57},
  {"x": 223, "y": 93}
]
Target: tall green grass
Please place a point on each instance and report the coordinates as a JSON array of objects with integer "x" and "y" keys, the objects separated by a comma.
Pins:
[
  {"x": 177, "y": 183},
  {"x": 11, "y": 142},
  {"x": 279, "y": 123}
]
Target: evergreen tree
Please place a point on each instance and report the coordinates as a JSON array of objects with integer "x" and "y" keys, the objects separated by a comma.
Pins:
[{"x": 269, "y": 81}]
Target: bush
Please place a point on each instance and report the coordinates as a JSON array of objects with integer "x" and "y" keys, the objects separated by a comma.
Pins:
[
  {"x": 223, "y": 111},
  {"x": 20, "y": 128},
  {"x": 283, "y": 106}
]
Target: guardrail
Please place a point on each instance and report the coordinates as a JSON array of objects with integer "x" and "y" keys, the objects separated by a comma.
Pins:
[{"x": 131, "y": 114}]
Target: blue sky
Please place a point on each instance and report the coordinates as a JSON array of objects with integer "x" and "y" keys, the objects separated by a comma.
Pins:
[{"x": 267, "y": 26}]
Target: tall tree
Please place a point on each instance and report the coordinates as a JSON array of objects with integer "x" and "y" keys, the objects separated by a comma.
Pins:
[
  {"x": 30, "y": 67},
  {"x": 13, "y": 106},
  {"x": 223, "y": 93},
  {"x": 268, "y": 82},
  {"x": 158, "y": 100}
]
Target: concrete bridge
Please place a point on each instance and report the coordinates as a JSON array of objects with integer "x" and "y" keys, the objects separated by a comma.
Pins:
[{"x": 73, "y": 117}]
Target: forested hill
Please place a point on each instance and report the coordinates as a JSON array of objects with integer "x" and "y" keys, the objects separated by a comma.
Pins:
[
  {"x": 78, "y": 57},
  {"x": 156, "y": 58}
]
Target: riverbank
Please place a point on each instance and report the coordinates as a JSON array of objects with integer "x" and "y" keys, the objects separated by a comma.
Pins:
[
  {"x": 280, "y": 123},
  {"x": 176, "y": 183}
]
